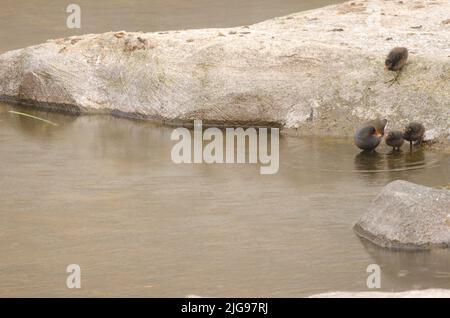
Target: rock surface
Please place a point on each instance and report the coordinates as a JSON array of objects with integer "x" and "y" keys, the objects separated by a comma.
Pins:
[
  {"x": 427, "y": 293},
  {"x": 321, "y": 71},
  {"x": 407, "y": 216}
]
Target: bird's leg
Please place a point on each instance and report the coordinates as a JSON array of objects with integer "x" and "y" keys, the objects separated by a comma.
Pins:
[
  {"x": 418, "y": 142},
  {"x": 394, "y": 80},
  {"x": 410, "y": 145}
]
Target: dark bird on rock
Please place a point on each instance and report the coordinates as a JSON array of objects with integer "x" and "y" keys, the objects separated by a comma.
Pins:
[
  {"x": 395, "y": 139},
  {"x": 396, "y": 58},
  {"x": 395, "y": 61},
  {"x": 414, "y": 132}
]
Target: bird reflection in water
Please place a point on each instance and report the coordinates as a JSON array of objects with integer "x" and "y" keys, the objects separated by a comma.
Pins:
[
  {"x": 415, "y": 158},
  {"x": 367, "y": 161},
  {"x": 391, "y": 161}
]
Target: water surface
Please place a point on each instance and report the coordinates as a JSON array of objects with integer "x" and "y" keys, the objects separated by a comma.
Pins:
[{"x": 103, "y": 193}]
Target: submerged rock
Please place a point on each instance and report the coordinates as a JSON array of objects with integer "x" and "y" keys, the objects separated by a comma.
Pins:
[
  {"x": 407, "y": 216},
  {"x": 288, "y": 71}
]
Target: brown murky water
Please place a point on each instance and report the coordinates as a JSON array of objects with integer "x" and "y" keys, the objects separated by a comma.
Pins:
[{"x": 103, "y": 192}]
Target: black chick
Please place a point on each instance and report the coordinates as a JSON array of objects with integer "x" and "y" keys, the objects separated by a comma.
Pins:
[
  {"x": 395, "y": 60},
  {"x": 414, "y": 132},
  {"x": 395, "y": 139}
]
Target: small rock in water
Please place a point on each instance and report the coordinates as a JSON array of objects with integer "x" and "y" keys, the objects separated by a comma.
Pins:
[{"x": 407, "y": 216}]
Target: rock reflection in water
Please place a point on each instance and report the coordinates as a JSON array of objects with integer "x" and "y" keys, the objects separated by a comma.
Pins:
[
  {"x": 35, "y": 128},
  {"x": 411, "y": 269}
]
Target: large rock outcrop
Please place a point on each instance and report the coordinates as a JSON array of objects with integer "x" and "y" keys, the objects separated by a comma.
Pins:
[
  {"x": 407, "y": 216},
  {"x": 321, "y": 71}
]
